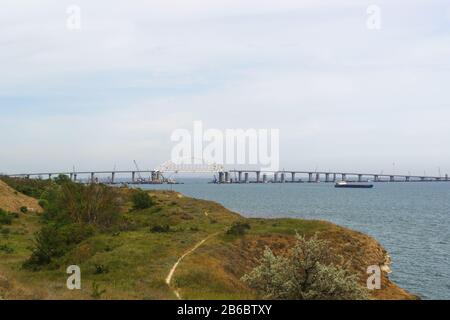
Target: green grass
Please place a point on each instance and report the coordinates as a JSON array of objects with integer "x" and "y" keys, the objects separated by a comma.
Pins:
[{"x": 135, "y": 259}]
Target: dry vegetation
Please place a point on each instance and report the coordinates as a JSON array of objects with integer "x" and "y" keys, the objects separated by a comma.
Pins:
[{"x": 12, "y": 200}]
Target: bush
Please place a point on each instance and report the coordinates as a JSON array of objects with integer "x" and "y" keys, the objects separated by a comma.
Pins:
[
  {"x": 75, "y": 203},
  {"x": 62, "y": 179},
  {"x": 48, "y": 244},
  {"x": 306, "y": 273},
  {"x": 141, "y": 200},
  {"x": 23, "y": 209},
  {"x": 53, "y": 241},
  {"x": 6, "y": 249},
  {"x": 238, "y": 228},
  {"x": 72, "y": 213},
  {"x": 43, "y": 203},
  {"x": 100, "y": 269},
  {"x": 160, "y": 229},
  {"x": 96, "y": 291},
  {"x": 5, "y": 217}
]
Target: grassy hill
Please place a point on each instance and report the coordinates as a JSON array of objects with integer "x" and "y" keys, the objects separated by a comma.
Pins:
[
  {"x": 134, "y": 260},
  {"x": 12, "y": 200}
]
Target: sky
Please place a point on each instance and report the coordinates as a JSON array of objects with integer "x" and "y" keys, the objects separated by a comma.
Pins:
[{"x": 345, "y": 97}]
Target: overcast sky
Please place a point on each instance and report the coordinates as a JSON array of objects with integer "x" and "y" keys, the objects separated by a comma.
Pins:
[{"x": 344, "y": 97}]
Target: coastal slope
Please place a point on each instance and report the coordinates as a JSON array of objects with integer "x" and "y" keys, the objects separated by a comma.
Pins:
[{"x": 135, "y": 261}]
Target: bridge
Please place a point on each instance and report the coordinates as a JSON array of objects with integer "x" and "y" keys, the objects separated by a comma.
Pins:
[
  {"x": 231, "y": 176},
  {"x": 156, "y": 176},
  {"x": 285, "y": 176}
]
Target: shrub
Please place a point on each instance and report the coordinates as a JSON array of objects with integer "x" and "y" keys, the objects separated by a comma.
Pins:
[
  {"x": 23, "y": 209},
  {"x": 62, "y": 179},
  {"x": 6, "y": 249},
  {"x": 160, "y": 229},
  {"x": 76, "y": 233},
  {"x": 93, "y": 204},
  {"x": 238, "y": 228},
  {"x": 48, "y": 244},
  {"x": 96, "y": 291},
  {"x": 43, "y": 203},
  {"x": 100, "y": 269},
  {"x": 141, "y": 200},
  {"x": 306, "y": 273},
  {"x": 53, "y": 241},
  {"x": 72, "y": 213},
  {"x": 5, "y": 217}
]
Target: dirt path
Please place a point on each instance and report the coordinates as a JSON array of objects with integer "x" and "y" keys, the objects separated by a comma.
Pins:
[{"x": 174, "y": 267}]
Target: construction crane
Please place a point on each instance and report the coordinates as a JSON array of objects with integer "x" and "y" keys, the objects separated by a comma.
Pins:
[{"x": 138, "y": 171}]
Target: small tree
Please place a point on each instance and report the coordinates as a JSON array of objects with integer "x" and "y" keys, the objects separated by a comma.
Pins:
[
  {"x": 62, "y": 179},
  {"x": 94, "y": 204},
  {"x": 238, "y": 228},
  {"x": 5, "y": 217},
  {"x": 141, "y": 200},
  {"x": 306, "y": 273}
]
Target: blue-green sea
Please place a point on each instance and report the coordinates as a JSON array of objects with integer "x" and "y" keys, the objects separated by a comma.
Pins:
[{"x": 411, "y": 220}]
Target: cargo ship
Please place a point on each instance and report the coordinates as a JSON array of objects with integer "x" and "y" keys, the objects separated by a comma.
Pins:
[{"x": 344, "y": 184}]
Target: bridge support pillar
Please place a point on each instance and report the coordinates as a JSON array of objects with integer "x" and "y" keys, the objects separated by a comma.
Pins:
[
  {"x": 49, "y": 177},
  {"x": 275, "y": 177},
  {"x": 391, "y": 179},
  {"x": 71, "y": 176},
  {"x": 240, "y": 176},
  {"x": 407, "y": 178},
  {"x": 327, "y": 177},
  {"x": 375, "y": 178},
  {"x": 359, "y": 177},
  {"x": 293, "y": 176},
  {"x": 92, "y": 177},
  {"x": 344, "y": 177},
  {"x": 246, "y": 177},
  {"x": 112, "y": 177},
  {"x": 258, "y": 173},
  {"x": 74, "y": 177},
  {"x": 317, "y": 177},
  {"x": 282, "y": 178},
  {"x": 446, "y": 177},
  {"x": 133, "y": 176},
  {"x": 264, "y": 178},
  {"x": 310, "y": 177},
  {"x": 227, "y": 177},
  {"x": 334, "y": 177}
]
